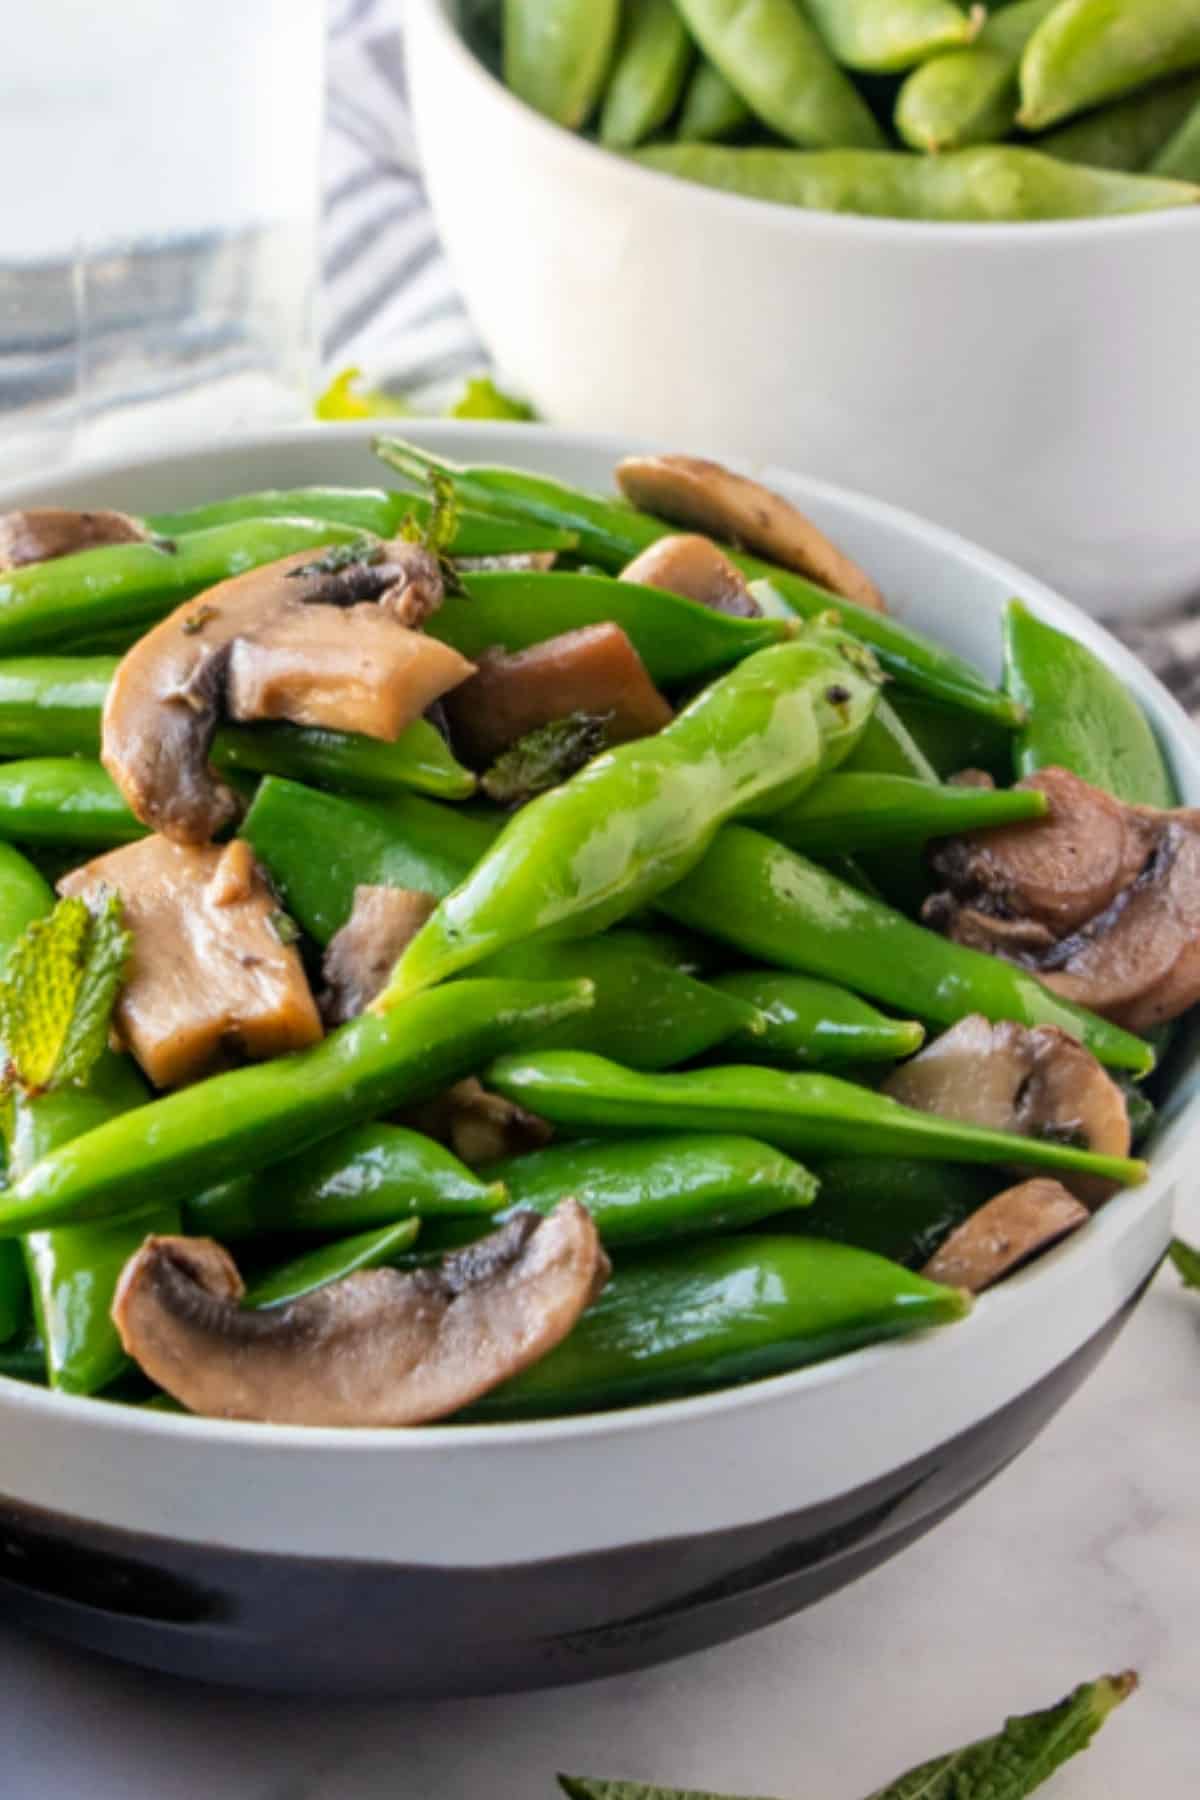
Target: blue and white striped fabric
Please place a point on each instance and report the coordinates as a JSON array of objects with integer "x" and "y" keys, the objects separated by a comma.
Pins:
[{"x": 390, "y": 305}]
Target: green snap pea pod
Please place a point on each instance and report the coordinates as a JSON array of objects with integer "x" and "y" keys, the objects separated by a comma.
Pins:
[
  {"x": 648, "y": 73},
  {"x": 887, "y": 747},
  {"x": 949, "y": 739},
  {"x": 357, "y": 1180},
  {"x": 896, "y": 1206},
  {"x": 646, "y": 1013},
  {"x": 1129, "y": 133},
  {"x": 122, "y": 588},
  {"x": 773, "y": 56},
  {"x": 236, "y": 1123},
  {"x": 371, "y": 510},
  {"x": 988, "y": 184},
  {"x": 809, "y": 1022},
  {"x": 611, "y": 533},
  {"x": 885, "y": 37},
  {"x": 14, "y": 1291},
  {"x": 798, "y": 916},
  {"x": 1180, "y": 157},
  {"x": 332, "y": 1262},
  {"x": 557, "y": 54},
  {"x": 52, "y": 705},
  {"x": 24, "y": 897},
  {"x": 970, "y": 96},
  {"x": 801, "y": 1113},
  {"x": 1082, "y": 717},
  {"x": 678, "y": 640},
  {"x": 874, "y": 812},
  {"x": 711, "y": 109},
  {"x": 635, "y": 819},
  {"x": 646, "y": 1190},
  {"x": 319, "y": 847},
  {"x": 702, "y": 1315},
  {"x": 1089, "y": 51},
  {"x": 900, "y": 874},
  {"x": 64, "y": 800}
]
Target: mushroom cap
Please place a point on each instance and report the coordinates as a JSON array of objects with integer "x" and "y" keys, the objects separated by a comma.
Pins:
[
  {"x": 695, "y": 567},
  {"x": 705, "y": 496},
  {"x": 380, "y": 1347},
  {"x": 44, "y": 533},
  {"x": 1035, "y": 1083},
  {"x": 1008, "y": 1230},
  {"x": 361, "y": 955}
]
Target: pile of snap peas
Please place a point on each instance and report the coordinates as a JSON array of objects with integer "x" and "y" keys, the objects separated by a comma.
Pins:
[
  {"x": 912, "y": 109},
  {"x": 696, "y": 958}
]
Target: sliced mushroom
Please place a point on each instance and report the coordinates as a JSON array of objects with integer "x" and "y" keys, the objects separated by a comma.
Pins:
[
  {"x": 699, "y": 570},
  {"x": 210, "y": 980},
  {"x": 479, "y": 1126},
  {"x": 1100, "y": 899},
  {"x": 1011, "y": 1229},
  {"x": 360, "y": 957},
  {"x": 704, "y": 496},
  {"x": 594, "y": 670},
  {"x": 377, "y": 1348},
  {"x": 43, "y": 533},
  {"x": 1037, "y": 1083},
  {"x": 326, "y": 642}
]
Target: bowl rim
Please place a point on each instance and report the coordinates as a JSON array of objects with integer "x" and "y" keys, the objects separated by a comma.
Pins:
[
  {"x": 999, "y": 1309},
  {"x": 990, "y": 237}
]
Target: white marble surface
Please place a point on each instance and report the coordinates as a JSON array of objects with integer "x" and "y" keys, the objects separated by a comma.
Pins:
[{"x": 1082, "y": 1557}]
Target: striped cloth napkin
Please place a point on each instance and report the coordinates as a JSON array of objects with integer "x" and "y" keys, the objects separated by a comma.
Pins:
[{"x": 390, "y": 304}]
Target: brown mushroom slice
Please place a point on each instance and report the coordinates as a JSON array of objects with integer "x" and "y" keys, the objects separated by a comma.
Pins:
[
  {"x": 705, "y": 496},
  {"x": 699, "y": 570},
  {"x": 361, "y": 956},
  {"x": 320, "y": 642},
  {"x": 44, "y": 533},
  {"x": 210, "y": 981},
  {"x": 594, "y": 670},
  {"x": 1036, "y": 1083},
  {"x": 376, "y": 1348},
  {"x": 479, "y": 1126},
  {"x": 1010, "y": 1229}
]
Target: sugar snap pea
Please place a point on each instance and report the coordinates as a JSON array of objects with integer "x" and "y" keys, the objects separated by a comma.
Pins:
[
  {"x": 235, "y": 1123},
  {"x": 885, "y": 37},
  {"x": 774, "y": 58},
  {"x": 950, "y": 739},
  {"x": 702, "y": 1315},
  {"x": 887, "y": 747},
  {"x": 802, "y": 1113},
  {"x": 806, "y": 919},
  {"x": 601, "y": 845},
  {"x": 64, "y": 800},
  {"x": 896, "y": 1206},
  {"x": 711, "y": 109},
  {"x": 1090, "y": 51},
  {"x": 1180, "y": 157},
  {"x": 557, "y": 54},
  {"x": 14, "y": 1291},
  {"x": 319, "y": 847},
  {"x": 811, "y": 1022},
  {"x": 970, "y": 96},
  {"x": 873, "y": 812},
  {"x": 357, "y": 1180},
  {"x": 987, "y": 184},
  {"x": 648, "y": 72},
  {"x": 1129, "y": 133},
  {"x": 1081, "y": 716},
  {"x": 332, "y": 1262},
  {"x": 611, "y": 533},
  {"x": 122, "y": 588},
  {"x": 649, "y": 1189}
]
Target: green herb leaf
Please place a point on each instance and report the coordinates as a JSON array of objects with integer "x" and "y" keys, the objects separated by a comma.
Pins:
[
  {"x": 340, "y": 400},
  {"x": 57, "y": 994},
  {"x": 543, "y": 758},
  {"x": 1005, "y": 1767},
  {"x": 482, "y": 399},
  {"x": 1187, "y": 1261}
]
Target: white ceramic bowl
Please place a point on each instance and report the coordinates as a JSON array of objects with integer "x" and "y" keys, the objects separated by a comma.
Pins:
[
  {"x": 1036, "y": 387},
  {"x": 472, "y": 1558}
]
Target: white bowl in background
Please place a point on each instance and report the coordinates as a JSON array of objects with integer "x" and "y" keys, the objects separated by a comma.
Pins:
[
  {"x": 475, "y": 1558},
  {"x": 1036, "y": 387}
]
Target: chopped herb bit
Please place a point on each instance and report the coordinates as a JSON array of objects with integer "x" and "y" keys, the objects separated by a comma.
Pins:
[
  {"x": 1055, "y": 1131},
  {"x": 284, "y": 926},
  {"x": 1187, "y": 1261},
  {"x": 341, "y": 556},
  {"x": 198, "y": 620},
  {"x": 545, "y": 757},
  {"x": 57, "y": 995},
  {"x": 340, "y": 401},
  {"x": 482, "y": 399}
]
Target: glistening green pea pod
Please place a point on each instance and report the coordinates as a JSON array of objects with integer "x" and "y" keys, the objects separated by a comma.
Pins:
[
  {"x": 1089, "y": 51},
  {"x": 970, "y": 96},
  {"x": 557, "y": 54},
  {"x": 885, "y": 37},
  {"x": 648, "y": 72}
]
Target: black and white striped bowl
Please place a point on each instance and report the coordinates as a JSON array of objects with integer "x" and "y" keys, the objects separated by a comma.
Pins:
[{"x": 471, "y": 1559}]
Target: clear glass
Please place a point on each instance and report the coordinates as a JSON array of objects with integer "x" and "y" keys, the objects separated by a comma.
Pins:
[{"x": 158, "y": 215}]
